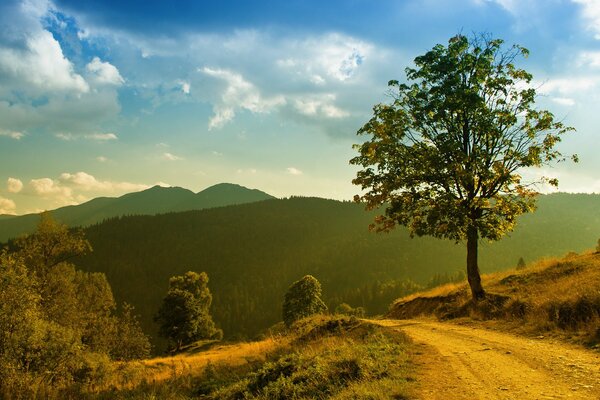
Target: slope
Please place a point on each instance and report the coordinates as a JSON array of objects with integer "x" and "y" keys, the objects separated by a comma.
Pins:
[
  {"x": 253, "y": 252},
  {"x": 155, "y": 200}
]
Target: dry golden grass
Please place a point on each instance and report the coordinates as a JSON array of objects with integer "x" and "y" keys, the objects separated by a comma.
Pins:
[
  {"x": 132, "y": 374},
  {"x": 559, "y": 296}
]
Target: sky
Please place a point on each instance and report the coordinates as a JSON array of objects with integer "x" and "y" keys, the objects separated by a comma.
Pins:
[{"x": 101, "y": 98}]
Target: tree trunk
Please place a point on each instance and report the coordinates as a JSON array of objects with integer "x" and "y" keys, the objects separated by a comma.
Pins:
[{"x": 473, "y": 276}]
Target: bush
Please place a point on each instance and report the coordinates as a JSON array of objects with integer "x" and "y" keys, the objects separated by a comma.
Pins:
[{"x": 346, "y": 309}]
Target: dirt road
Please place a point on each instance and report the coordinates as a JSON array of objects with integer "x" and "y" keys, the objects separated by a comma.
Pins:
[{"x": 461, "y": 362}]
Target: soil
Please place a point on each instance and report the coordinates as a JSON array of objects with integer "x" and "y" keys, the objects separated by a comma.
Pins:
[{"x": 466, "y": 362}]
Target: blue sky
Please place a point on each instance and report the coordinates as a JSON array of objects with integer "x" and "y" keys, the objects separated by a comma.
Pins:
[{"x": 103, "y": 98}]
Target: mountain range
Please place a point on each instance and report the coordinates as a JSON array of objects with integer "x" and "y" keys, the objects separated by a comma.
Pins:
[
  {"x": 152, "y": 201},
  {"x": 252, "y": 252}
]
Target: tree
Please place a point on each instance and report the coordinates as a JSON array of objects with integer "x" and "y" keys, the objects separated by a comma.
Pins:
[
  {"x": 51, "y": 244},
  {"x": 132, "y": 343},
  {"x": 184, "y": 314},
  {"x": 445, "y": 156},
  {"x": 521, "y": 264},
  {"x": 302, "y": 299}
]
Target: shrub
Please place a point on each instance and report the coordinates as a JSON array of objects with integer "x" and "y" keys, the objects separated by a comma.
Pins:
[{"x": 346, "y": 309}]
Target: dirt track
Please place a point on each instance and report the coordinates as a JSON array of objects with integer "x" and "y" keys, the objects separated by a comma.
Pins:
[{"x": 460, "y": 362}]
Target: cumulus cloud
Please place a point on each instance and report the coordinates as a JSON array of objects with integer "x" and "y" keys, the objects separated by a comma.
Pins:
[
  {"x": 101, "y": 159},
  {"x": 590, "y": 11},
  {"x": 86, "y": 182},
  {"x": 40, "y": 87},
  {"x": 104, "y": 72},
  {"x": 74, "y": 188},
  {"x": 7, "y": 206},
  {"x": 41, "y": 64},
  {"x": 293, "y": 171},
  {"x": 14, "y": 185},
  {"x": 46, "y": 187},
  {"x": 239, "y": 93}
]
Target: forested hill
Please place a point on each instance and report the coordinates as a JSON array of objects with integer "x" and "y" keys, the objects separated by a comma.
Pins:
[
  {"x": 253, "y": 252},
  {"x": 151, "y": 201}
]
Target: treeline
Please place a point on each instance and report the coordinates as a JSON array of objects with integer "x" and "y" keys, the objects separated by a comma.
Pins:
[
  {"x": 59, "y": 326},
  {"x": 253, "y": 252}
]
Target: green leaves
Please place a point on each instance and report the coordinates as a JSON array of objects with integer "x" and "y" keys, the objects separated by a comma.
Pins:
[{"x": 447, "y": 152}]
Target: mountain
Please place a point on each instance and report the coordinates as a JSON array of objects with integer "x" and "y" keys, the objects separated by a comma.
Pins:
[
  {"x": 156, "y": 200},
  {"x": 253, "y": 252}
]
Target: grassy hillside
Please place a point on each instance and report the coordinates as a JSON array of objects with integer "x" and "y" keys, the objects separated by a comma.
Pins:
[
  {"x": 253, "y": 252},
  {"x": 556, "y": 296},
  {"x": 321, "y": 357},
  {"x": 155, "y": 200}
]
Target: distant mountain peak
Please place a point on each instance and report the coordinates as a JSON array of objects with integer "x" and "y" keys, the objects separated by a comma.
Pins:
[{"x": 154, "y": 200}]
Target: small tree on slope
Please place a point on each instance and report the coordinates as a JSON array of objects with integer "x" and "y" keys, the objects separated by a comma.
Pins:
[
  {"x": 444, "y": 157},
  {"x": 302, "y": 299},
  {"x": 184, "y": 314}
]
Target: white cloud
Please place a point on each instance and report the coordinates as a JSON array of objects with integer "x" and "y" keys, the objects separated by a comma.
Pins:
[
  {"x": 105, "y": 72},
  {"x": 185, "y": 87},
  {"x": 12, "y": 134},
  {"x": 569, "y": 85},
  {"x": 335, "y": 56},
  {"x": 171, "y": 157},
  {"x": 46, "y": 187},
  {"x": 14, "y": 185},
  {"x": 101, "y": 159},
  {"x": 564, "y": 101},
  {"x": 239, "y": 93},
  {"x": 7, "y": 206},
  {"x": 589, "y": 58},
  {"x": 590, "y": 12},
  {"x": 74, "y": 188},
  {"x": 321, "y": 105},
  {"x": 100, "y": 137},
  {"x": 40, "y": 87},
  {"x": 86, "y": 182},
  {"x": 41, "y": 64},
  {"x": 293, "y": 171}
]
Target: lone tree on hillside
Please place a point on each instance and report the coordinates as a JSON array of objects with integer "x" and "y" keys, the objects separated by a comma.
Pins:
[
  {"x": 302, "y": 299},
  {"x": 444, "y": 157},
  {"x": 184, "y": 314}
]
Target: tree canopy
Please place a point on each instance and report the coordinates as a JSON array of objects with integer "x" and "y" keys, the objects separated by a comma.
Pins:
[
  {"x": 302, "y": 299},
  {"x": 184, "y": 315},
  {"x": 445, "y": 157}
]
